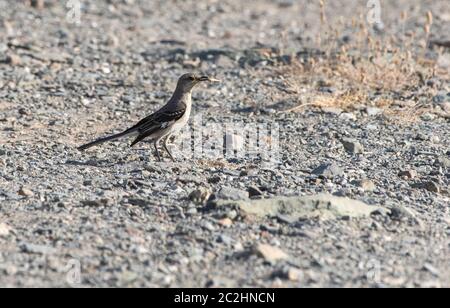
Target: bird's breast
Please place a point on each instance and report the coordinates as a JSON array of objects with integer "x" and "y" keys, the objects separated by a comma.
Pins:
[{"x": 185, "y": 118}]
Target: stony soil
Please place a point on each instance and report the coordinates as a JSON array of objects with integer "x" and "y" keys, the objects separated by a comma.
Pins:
[{"x": 125, "y": 219}]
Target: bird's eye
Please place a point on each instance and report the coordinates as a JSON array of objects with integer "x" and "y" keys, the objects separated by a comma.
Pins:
[{"x": 192, "y": 78}]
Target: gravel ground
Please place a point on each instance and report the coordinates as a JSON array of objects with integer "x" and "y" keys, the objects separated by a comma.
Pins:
[{"x": 113, "y": 216}]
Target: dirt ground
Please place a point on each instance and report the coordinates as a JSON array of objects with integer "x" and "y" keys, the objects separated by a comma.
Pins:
[{"x": 357, "y": 101}]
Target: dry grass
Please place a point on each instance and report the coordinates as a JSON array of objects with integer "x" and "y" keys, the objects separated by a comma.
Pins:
[{"x": 396, "y": 68}]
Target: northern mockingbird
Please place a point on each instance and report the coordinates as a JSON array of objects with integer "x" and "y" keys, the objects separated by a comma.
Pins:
[{"x": 164, "y": 122}]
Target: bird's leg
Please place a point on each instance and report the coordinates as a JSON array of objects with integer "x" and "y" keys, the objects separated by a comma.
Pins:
[
  {"x": 155, "y": 144},
  {"x": 166, "y": 140}
]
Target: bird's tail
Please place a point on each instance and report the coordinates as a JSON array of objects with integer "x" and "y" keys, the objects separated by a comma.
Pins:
[{"x": 106, "y": 139}]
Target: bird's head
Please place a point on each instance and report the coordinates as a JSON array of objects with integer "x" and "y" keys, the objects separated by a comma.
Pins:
[{"x": 188, "y": 81}]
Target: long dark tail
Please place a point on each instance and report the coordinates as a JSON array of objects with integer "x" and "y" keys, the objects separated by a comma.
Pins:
[{"x": 106, "y": 139}]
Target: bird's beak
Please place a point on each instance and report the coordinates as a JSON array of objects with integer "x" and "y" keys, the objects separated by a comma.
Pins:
[{"x": 210, "y": 79}]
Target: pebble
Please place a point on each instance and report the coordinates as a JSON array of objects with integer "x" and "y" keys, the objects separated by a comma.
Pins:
[
  {"x": 373, "y": 111},
  {"x": 225, "y": 239},
  {"x": 352, "y": 146},
  {"x": 443, "y": 162},
  {"x": 328, "y": 170},
  {"x": 290, "y": 273},
  {"x": 200, "y": 196},
  {"x": 431, "y": 186},
  {"x": 230, "y": 193},
  {"x": 254, "y": 191},
  {"x": 208, "y": 226},
  {"x": 4, "y": 229},
  {"x": 37, "y": 249},
  {"x": 25, "y": 192},
  {"x": 409, "y": 174},
  {"x": 366, "y": 185},
  {"x": 431, "y": 269},
  {"x": 270, "y": 253},
  {"x": 13, "y": 60},
  {"x": 428, "y": 117},
  {"x": 225, "y": 222}
]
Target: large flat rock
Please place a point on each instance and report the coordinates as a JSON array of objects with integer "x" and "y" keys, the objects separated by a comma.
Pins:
[{"x": 321, "y": 206}]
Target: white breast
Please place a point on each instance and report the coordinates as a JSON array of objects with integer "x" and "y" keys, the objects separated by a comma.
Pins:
[{"x": 185, "y": 118}]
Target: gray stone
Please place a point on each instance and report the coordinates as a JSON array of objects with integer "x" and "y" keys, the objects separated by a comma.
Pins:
[
  {"x": 373, "y": 111},
  {"x": 410, "y": 174},
  {"x": 96, "y": 203},
  {"x": 225, "y": 239},
  {"x": 324, "y": 207},
  {"x": 432, "y": 186},
  {"x": 200, "y": 196},
  {"x": 37, "y": 249},
  {"x": 230, "y": 193},
  {"x": 366, "y": 185},
  {"x": 270, "y": 253},
  {"x": 328, "y": 170},
  {"x": 289, "y": 273},
  {"x": 443, "y": 162},
  {"x": 352, "y": 146},
  {"x": 4, "y": 229},
  {"x": 254, "y": 191},
  {"x": 26, "y": 192}
]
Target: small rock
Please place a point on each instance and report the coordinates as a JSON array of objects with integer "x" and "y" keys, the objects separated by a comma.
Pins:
[
  {"x": 443, "y": 162},
  {"x": 410, "y": 174},
  {"x": 23, "y": 111},
  {"x": 4, "y": 229},
  {"x": 431, "y": 269},
  {"x": 400, "y": 212},
  {"x": 439, "y": 99},
  {"x": 37, "y": 249},
  {"x": 352, "y": 146},
  {"x": 435, "y": 139},
  {"x": 289, "y": 273},
  {"x": 332, "y": 110},
  {"x": 373, "y": 111},
  {"x": 229, "y": 193},
  {"x": 431, "y": 186},
  {"x": 328, "y": 170},
  {"x": 25, "y": 192},
  {"x": 225, "y": 222},
  {"x": 427, "y": 117},
  {"x": 367, "y": 185},
  {"x": 348, "y": 116},
  {"x": 191, "y": 211},
  {"x": 200, "y": 196},
  {"x": 270, "y": 253},
  {"x": 446, "y": 106},
  {"x": 225, "y": 239},
  {"x": 232, "y": 214},
  {"x": 39, "y": 4},
  {"x": 254, "y": 191},
  {"x": 13, "y": 60},
  {"x": 140, "y": 250},
  {"x": 225, "y": 62},
  {"x": 96, "y": 203},
  {"x": 208, "y": 226}
]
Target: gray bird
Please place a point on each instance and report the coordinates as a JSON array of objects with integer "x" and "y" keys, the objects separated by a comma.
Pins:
[{"x": 164, "y": 122}]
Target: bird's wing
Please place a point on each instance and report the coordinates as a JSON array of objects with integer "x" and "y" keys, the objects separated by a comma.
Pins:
[{"x": 158, "y": 121}]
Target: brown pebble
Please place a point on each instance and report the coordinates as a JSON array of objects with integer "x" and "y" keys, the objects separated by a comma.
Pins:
[{"x": 26, "y": 192}]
